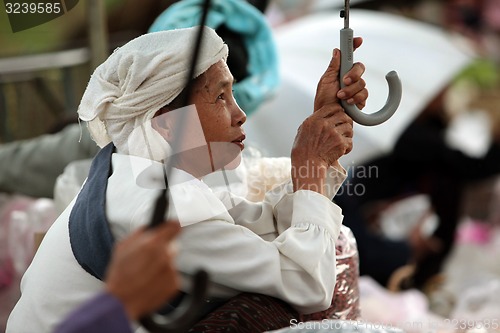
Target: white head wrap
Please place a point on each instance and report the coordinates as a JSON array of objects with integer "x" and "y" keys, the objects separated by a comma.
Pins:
[{"x": 138, "y": 79}]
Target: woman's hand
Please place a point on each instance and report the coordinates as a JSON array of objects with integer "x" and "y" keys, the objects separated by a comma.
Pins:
[
  {"x": 326, "y": 135},
  {"x": 142, "y": 274}
]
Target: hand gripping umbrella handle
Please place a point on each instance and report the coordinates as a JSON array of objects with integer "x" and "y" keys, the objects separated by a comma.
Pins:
[
  {"x": 185, "y": 315},
  {"x": 395, "y": 90}
]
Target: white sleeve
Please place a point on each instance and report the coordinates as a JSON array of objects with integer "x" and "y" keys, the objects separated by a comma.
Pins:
[{"x": 283, "y": 247}]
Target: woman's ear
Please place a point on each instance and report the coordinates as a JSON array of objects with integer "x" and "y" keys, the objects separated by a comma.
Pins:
[{"x": 162, "y": 124}]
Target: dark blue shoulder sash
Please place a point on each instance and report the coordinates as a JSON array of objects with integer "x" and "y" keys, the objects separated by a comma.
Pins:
[{"x": 89, "y": 232}]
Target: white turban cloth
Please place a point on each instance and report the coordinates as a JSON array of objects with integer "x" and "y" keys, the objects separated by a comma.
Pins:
[{"x": 137, "y": 80}]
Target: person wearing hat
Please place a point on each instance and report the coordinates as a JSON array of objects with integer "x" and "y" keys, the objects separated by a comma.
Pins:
[{"x": 134, "y": 106}]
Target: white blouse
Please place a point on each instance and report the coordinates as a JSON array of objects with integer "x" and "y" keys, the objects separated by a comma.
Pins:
[{"x": 283, "y": 247}]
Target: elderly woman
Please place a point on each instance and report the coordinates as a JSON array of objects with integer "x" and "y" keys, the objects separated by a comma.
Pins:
[{"x": 283, "y": 247}]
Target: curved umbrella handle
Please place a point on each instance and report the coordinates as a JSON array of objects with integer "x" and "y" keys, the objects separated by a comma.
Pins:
[
  {"x": 185, "y": 315},
  {"x": 395, "y": 89}
]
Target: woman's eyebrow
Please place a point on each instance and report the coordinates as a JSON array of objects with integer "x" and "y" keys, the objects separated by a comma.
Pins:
[{"x": 224, "y": 83}]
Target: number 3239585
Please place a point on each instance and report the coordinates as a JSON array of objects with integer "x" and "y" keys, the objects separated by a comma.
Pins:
[{"x": 33, "y": 8}]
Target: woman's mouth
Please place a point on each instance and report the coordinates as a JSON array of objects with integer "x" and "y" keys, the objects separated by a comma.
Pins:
[{"x": 239, "y": 142}]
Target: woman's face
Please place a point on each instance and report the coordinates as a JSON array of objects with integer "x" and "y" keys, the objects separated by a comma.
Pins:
[
  {"x": 209, "y": 137},
  {"x": 220, "y": 116}
]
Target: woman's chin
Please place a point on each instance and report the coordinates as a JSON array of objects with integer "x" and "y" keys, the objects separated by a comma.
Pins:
[
  {"x": 225, "y": 155},
  {"x": 234, "y": 163}
]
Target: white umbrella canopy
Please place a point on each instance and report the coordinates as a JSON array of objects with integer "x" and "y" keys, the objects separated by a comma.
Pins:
[{"x": 425, "y": 57}]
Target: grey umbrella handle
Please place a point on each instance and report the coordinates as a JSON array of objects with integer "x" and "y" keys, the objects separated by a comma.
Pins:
[{"x": 395, "y": 90}]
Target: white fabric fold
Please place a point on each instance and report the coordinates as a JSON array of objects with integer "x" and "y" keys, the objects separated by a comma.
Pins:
[{"x": 137, "y": 80}]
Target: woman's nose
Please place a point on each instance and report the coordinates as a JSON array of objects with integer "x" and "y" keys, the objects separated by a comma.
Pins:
[{"x": 238, "y": 115}]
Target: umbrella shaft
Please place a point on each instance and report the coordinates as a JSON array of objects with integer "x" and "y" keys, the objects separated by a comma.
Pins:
[{"x": 345, "y": 13}]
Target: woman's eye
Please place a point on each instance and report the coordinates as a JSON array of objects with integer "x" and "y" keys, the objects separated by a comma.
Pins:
[{"x": 221, "y": 96}]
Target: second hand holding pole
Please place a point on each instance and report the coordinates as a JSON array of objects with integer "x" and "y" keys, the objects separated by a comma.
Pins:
[{"x": 346, "y": 63}]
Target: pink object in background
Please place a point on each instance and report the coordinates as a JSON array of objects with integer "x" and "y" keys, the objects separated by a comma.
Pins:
[
  {"x": 8, "y": 204},
  {"x": 473, "y": 232},
  {"x": 6, "y": 273},
  {"x": 492, "y": 14}
]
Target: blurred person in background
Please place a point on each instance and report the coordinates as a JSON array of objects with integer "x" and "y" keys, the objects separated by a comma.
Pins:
[
  {"x": 31, "y": 167},
  {"x": 422, "y": 162}
]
